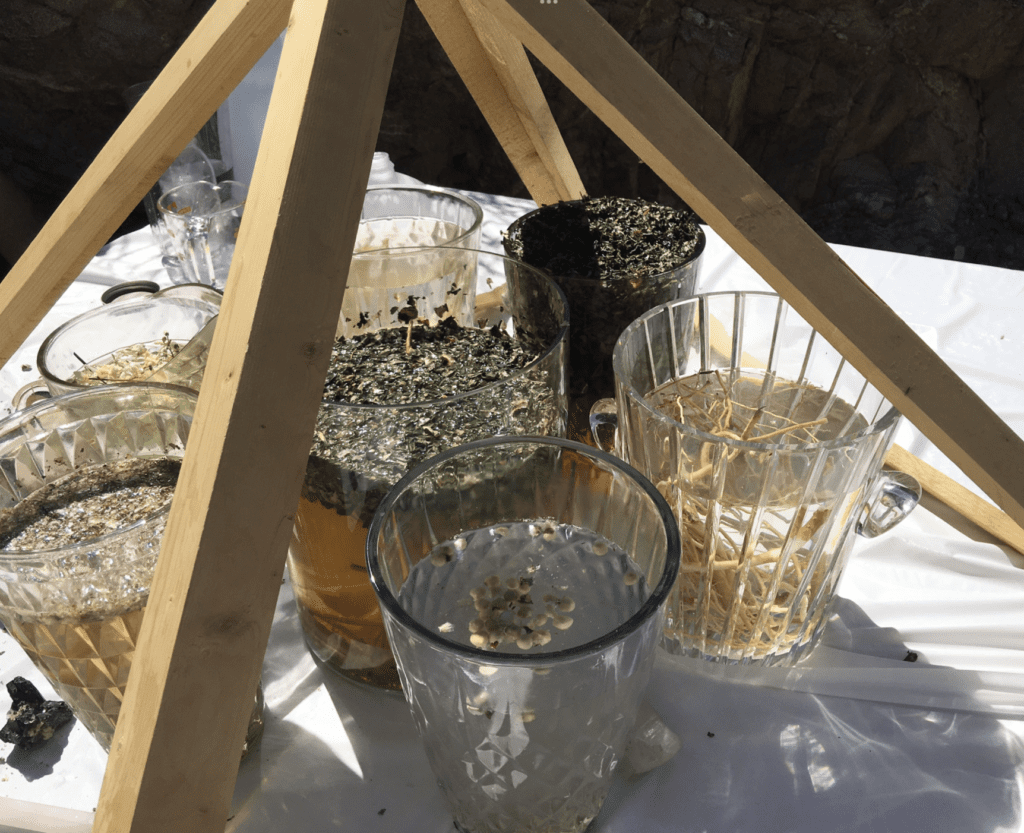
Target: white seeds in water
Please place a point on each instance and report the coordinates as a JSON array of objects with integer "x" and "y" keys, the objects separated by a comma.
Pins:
[
  {"x": 488, "y": 670},
  {"x": 447, "y": 627},
  {"x": 562, "y": 622},
  {"x": 631, "y": 578},
  {"x": 478, "y": 639},
  {"x": 599, "y": 548},
  {"x": 529, "y": 715}
]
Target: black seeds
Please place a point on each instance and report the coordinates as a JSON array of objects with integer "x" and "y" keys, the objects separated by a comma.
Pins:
[
  {"x": 88, "y": 503},
  {"x": 607, "y": 238},
  {"x": 614, "y": 258},
  {"x": 388, "y": 405},
  {"x": 401, "y": 365}
]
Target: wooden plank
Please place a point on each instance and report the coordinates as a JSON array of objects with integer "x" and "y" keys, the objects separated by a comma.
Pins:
[
  {"x": 498, "y": 75},
  {"x": 176, "y": 749},
  {"x": 601, "y": 69},
  {"x": 962, "y": 500},
  {"x": 225, "y": 45}
]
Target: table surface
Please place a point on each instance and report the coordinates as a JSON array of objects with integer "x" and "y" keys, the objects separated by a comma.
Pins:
[{"x": 855, "y": 738}]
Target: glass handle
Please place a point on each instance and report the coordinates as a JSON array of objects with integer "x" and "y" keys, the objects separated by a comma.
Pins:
[
  {"x": 604, "y": 421},
  {"x": 895, "y": 495},
  {"x": 30, "y": 394}
]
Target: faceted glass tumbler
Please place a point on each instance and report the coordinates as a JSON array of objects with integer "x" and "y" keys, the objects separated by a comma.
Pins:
[
  {"x": 360, "y": 451},
  {"x": 202, "y": 220},
  {"x": 769, "y": 446},
  {"x": 524, "y": 739},
  {"x": 77, "y": 611}
]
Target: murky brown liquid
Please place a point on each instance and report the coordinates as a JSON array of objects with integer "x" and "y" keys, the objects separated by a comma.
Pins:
[{"x": 338, "y": 608}]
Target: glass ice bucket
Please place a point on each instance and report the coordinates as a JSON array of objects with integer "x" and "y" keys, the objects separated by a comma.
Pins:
[
  {"x": 77, "y": 610},
  {"x": 413, "y": 246},
  {"x": 769, "y": 446}
]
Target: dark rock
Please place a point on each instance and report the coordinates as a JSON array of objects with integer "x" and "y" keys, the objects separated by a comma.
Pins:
[
  {"x": 884, "y": 123},
  {"x": 32, "y": 720}
]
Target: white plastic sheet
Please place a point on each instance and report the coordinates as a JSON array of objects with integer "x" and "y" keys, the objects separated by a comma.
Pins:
[{"x": 857, "y": 738}]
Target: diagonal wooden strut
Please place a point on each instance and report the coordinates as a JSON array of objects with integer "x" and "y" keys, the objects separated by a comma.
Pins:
[
  {"x": 176, "y": 749},
  {"x": 607, "y": 75},
  {"x": 497, "y": 73},
  {"x": 223, "y": 48}
]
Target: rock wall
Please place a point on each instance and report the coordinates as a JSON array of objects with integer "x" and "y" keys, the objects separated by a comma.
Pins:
[{"x": 892, "y": 124}]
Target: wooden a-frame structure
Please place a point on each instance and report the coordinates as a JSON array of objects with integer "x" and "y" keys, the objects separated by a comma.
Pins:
[{"x": 174, "y": 757}]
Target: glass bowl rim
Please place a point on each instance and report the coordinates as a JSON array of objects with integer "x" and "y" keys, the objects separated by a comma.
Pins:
[
  {"x": 883, "y": 423},
  {"x": 650, "y": 607}
]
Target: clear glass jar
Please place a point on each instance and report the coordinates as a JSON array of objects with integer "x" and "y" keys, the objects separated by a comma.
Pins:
[{"x": 77, "y": 609}]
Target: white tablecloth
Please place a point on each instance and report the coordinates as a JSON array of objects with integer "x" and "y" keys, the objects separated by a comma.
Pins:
[{"x": 855, "y": 739}]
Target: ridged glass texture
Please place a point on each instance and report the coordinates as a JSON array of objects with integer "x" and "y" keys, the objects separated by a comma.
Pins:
[
  {"x": 766, "y": 525},
  {"x": 413, "y": 245}
]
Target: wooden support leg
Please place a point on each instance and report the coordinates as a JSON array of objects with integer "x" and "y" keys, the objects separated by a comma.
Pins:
[
  {"x": 225, "y": 45},
  {"x": 607, "y": 75},
  {"x": 498, "y": 74},
  {"x": 176, "y": 749}
]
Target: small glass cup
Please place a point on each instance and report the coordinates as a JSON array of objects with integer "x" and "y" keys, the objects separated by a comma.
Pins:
[
  {"x": 523, "y": 581},
  {"x": 768, "y": 446},
  {"x": 360, "y": 451},
  {"x": 208, "y": 156},
  {"x": 601, "y": 308},
  {"x": 202, "y": 220},
  {"x": 77, "y": 610}
]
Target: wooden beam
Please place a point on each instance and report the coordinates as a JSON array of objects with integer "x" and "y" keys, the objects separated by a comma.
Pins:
[
  {"x": 497, "y": 73},
  {"x": 608, "y": 76},
  {"x": 962, "y": 500},
  {"x": 225, "y": 45},
  {"x": 176, "y": 749}
]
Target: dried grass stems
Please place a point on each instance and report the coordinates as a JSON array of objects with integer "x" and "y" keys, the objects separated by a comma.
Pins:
[
  {"x": 128, "y": 364},
  {"x": 725, "y": 581}
]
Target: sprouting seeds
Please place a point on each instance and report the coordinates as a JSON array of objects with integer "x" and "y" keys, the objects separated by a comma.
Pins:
[{"x": 508, "y": 614}]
